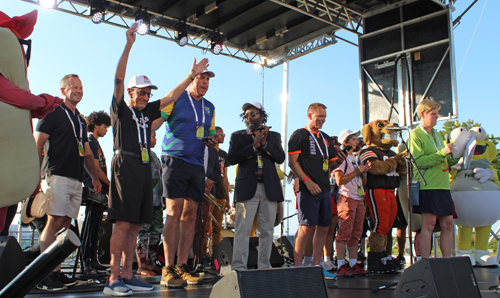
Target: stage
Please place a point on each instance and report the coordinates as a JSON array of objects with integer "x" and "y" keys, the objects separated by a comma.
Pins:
[{"x": 358, "y": 286}]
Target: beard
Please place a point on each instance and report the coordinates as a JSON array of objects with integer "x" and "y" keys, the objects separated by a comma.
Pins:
[{"x": 253, "y": 124}]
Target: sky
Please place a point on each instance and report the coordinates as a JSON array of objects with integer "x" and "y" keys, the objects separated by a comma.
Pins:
[{"x": 64, "y": 44}]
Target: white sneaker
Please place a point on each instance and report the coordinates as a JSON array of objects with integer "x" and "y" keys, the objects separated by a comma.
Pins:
[
  {"x": 328, "y": 265},
  {"x": 306, "y": 263}
]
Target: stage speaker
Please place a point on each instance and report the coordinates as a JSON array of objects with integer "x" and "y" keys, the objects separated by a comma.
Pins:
[
  {"x": 439, "y": 278},
  {"x": 284, "y": 245},
  {"x": 277, "y": 282},
  {"x": 223, "y": 255},
  {"x": 12, "y": 260}
]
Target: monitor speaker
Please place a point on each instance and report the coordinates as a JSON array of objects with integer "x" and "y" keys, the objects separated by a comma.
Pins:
[{"x": 12, "y": 260}]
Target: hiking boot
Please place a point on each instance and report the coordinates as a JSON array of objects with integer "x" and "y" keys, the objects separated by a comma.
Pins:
[
  {"x": 117, "y": 288},
  {"x": 51, "y": 283},
  {"x": 183, "y": 271},
  {"x": 67, "y": 281},
  {"x": 170, "y": 278},
  {"x": 380, "y": 262},
  {"x": 357, "y": 269},
  {"x": 137, "y": 285},
  {"x": 344, "y": 270}
]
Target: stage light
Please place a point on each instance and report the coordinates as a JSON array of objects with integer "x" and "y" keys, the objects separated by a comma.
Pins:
[
  {"x": 216, "y": 45},
  {"x": 48, "y": 4},
  {"x": 97, "y": 11},
  {"x": 181, "y": 34},
  {"x": 144, "y": 27}
]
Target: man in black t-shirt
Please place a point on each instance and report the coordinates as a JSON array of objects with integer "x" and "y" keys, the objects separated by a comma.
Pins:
[
  {"x": 63, "y": 149},
  {"x": 131, "y": 198},
  {"x": 97, "y": 125},
  {"x": 311, "y": 154}
]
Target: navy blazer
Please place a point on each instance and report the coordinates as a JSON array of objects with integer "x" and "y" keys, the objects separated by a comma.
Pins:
[{"x": 241, "y": 152}]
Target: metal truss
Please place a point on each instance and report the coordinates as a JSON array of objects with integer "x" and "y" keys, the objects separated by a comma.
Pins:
[{"x": 328, "y": 11}]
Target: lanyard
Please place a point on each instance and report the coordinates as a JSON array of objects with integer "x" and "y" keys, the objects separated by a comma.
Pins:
[
  {"x": 353, "y": 162},
  {"x": 432, "y": 137},
  {"x": 317, "y": 144},
  {"x": 137, "y": 123},
  {"x": 73, "y": 124},
  {"x": 195, "y": 113}
]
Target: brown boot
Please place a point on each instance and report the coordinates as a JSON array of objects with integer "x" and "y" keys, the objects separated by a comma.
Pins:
[
  {"x": 183, "y": 271},
  {"x": 170, "y": 278}
]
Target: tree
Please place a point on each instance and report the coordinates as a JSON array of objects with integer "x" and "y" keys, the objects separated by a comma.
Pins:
[{"x": 448, "y": 126}]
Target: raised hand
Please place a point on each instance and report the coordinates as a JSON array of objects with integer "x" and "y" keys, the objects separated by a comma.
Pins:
[
  {"x": 199, "y": 67},
  {"x": 131, "y": 33}
]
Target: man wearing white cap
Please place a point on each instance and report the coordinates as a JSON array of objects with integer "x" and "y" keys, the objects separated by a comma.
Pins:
[
  {"x": 257, "y": 186},
  {"x": 131, "y": 199}
]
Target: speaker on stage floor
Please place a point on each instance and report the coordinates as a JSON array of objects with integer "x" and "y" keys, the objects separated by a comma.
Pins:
[
  {"x": 12, "y": 260},
  {"x": 439, "y": 278},
  {"x": 223, "y": 255},
  {"x": 277, "y": 282}
]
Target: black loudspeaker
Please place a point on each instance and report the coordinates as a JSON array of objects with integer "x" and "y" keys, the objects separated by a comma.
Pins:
[
  {"x": 439, "y": 278},
  {"x": 277, "y": 282},
  {"x": 285, "y": 245},
  {"x": 104, "y": 239},
  {"x": 12, "y": 260},
  {"x": 223, "y": 255}
]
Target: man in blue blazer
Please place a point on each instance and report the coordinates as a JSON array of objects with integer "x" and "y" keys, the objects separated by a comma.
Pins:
[{"x": 258, "y": 190}]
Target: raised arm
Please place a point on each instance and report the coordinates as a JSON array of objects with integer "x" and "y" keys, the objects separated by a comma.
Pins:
[
  {"x": 122, "y": 64},
  {"x": 196, "y": 69}
]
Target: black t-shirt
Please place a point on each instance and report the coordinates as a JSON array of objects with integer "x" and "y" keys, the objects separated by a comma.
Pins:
[
  {"x": 125, "y": 127},
  {"x": 310, "y": 159},
  {"x": 62, "y": 146},
  {"x": 99, "y": 155},
  {"x": 387, "y": 181},
  {"x": 220, "y": 192}
]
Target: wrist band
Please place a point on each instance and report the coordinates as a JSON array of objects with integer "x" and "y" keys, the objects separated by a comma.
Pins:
[
  {"x": 304, "y": 180},
  {"x": 189, "y": 76}
]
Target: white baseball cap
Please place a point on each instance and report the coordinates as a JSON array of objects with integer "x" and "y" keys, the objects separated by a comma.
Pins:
[
  {"x": 345, "y": 133},
  {"x": 254, "y": 104},
  {"x": 141, "y": 81},
  {"x": 210, "y": 73}
]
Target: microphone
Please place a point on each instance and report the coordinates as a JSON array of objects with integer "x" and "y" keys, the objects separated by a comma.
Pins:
[
  {"x": 396, "y": 128},
  {"x": 447, "y": 137}
]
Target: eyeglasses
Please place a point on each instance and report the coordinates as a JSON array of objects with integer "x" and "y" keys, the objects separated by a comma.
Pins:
[
  {"x": 251, "y": 114},
  {"x": 221, "y": 133},
  {"x": 142, "y": 93}
]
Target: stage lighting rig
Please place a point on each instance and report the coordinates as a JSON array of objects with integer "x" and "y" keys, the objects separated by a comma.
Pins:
[
  {"x": 181, "y": 34},
  {"x": 216, "y": 45},
  {"x": 48, "y": 4},
  {"x": 97, "y": 11},
  {"x": 144, "y": 27}
]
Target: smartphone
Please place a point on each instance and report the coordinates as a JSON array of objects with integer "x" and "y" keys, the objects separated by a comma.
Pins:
[
  {"x": 207, "y": 138},
  {"x": 261, "y": 128},
  {"x": 347, "y": 149}
]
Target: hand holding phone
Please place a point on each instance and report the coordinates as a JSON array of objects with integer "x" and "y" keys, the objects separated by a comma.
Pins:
[
  {"x": 206, "y": 139},
  {"x": 347, "y": 149}
]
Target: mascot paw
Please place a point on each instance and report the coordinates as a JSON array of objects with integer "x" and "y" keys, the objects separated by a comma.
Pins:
[
  {"x": 466, "y": 253},
  {"x": 483, "y": 259},
  {"x": 483, "y": 175}
]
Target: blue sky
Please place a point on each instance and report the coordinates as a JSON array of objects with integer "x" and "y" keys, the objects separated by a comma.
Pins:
[{"x": 65, "y": 44}]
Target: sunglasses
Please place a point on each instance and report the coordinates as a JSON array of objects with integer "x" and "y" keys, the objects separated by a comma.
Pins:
[
  {"x": 142, "y": 93},
  {"x": 251, "y": 114},
  {"x": 221, "y": 133}
]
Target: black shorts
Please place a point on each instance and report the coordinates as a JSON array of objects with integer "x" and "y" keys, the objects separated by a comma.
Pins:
[
  {"x": 182, "y": 179},
  {"x": 131, "y": 192},
  {"x": 435, "y": 201}
]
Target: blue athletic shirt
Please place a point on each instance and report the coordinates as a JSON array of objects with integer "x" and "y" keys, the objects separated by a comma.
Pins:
[{"x": 180, "y": 129}]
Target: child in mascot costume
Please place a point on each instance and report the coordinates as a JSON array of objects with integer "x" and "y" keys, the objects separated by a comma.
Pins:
[
  {"x": 476, "y": 193},
  {"x": 19, "y": 162},
  {"x": 387, "y": 169}
]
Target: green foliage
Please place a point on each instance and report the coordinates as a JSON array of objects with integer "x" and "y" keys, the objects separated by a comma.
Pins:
[{"x": 449, "y": 125}]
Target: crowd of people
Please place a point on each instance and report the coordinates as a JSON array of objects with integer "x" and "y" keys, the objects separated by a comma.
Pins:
[{"x": 335, "y": 183}]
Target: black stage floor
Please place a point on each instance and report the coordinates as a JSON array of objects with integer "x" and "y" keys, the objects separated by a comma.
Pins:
[{"x": 358, "y": 286}]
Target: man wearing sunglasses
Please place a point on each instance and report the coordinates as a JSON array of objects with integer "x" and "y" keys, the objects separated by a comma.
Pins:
[
  {"x": 257, "y": 186},
  {"x": 131, "y": 197}
]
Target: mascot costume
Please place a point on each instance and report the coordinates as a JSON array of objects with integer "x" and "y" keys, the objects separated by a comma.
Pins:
[
  {"x": 19, "y": 162},
  {"x": 476, "y": 193},
  {"x": 387, "y": 169}
]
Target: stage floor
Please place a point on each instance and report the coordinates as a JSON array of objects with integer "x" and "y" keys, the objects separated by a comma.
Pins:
[{"x": 358, "y": 286}]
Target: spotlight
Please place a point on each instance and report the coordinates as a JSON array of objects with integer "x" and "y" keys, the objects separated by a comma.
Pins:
[
  {"x": 216, "y": 46},
  {"x": 144, "y": 27},
  {"x": 181, "y": 34},
  {"x": 48, "y": 4},
  {"x": 97, "y": 11}
]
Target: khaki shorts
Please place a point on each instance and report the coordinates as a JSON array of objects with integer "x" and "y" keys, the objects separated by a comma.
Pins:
[{"x": 65, "y": 195}]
